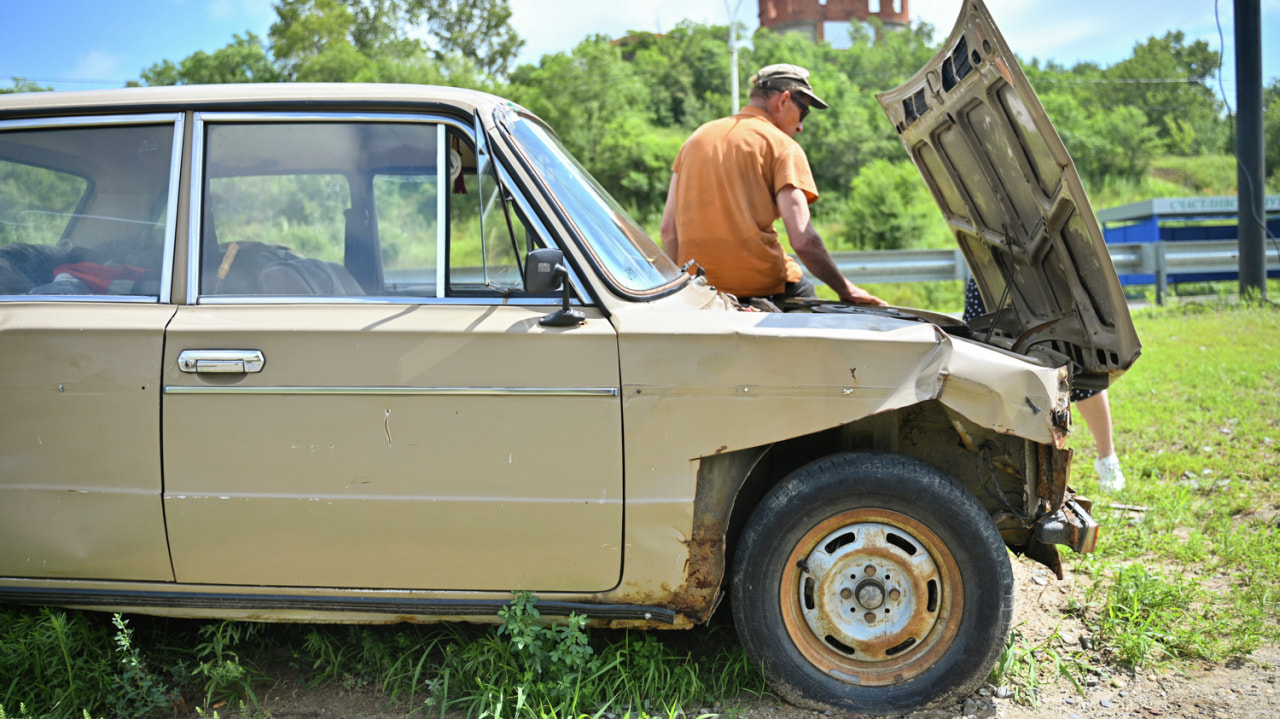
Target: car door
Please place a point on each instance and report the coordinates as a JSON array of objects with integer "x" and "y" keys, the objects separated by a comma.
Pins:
[
  {"x": 359, "y": 394},
  {"x": 87, "y": 209}
]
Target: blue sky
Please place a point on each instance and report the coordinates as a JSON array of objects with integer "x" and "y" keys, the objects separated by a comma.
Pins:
[{"x": 89, "y": 44}]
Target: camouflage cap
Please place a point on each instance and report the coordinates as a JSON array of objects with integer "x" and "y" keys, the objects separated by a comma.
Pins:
[{"x": 785, "y": 76}]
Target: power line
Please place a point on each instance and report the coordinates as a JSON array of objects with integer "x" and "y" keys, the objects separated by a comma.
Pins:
[
  {"x": 63, "y": 81},
  {"x": 1117, "y": 81}
]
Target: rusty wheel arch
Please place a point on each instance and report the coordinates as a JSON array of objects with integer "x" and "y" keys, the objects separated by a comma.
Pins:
[{"x": 731, "y": 484}]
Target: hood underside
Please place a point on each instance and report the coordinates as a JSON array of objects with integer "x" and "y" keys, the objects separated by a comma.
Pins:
[{"x": 1014, "y": 201}]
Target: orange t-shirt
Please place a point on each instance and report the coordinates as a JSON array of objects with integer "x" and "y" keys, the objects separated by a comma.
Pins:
[{"x": 728, "y": 175}]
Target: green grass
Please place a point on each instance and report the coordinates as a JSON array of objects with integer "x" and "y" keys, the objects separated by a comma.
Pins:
[
  {"x": 62, "y": 664},
  {"x": 1198, "y": 428},
  {"x": 1192, "y": 576},
  {"x": 1193, "y": 573}
]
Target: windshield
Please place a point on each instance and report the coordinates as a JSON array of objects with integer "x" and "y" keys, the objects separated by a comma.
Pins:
[{"x": 623, "y": 250}]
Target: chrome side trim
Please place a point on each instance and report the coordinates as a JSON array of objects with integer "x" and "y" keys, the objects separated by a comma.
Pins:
[
  {"x": 195, "y": 205},
  {"x": 408, "y": 391},
  {"x": 101, "y": 299},
  {"x": 91, "y": 120},
  {"x": 241, "y": 300},
  {"x": 442, "y": 209},
  {"x": 171, "y": 233}
]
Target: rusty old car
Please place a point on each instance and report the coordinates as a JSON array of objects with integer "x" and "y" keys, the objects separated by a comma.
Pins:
[{"x": 368, "y": 353}]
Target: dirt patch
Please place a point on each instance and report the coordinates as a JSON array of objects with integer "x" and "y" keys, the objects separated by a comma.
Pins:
[{"x": 1248, "y": 689}]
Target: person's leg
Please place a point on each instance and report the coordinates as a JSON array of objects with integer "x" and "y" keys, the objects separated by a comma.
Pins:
[{"x": 1096, "y": 411}]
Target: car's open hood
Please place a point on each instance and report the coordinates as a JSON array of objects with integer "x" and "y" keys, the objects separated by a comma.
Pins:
[{"x": 1014, "y": 201}]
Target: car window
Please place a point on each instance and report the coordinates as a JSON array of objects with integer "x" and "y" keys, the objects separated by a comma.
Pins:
[
  {"x": 488, "y": 238},
  {"x": 406, "y": 207},
  {"x": 621, "y": 247},
  {"x": 351, "y": 209},
  {"x": 83, "y": 210}
]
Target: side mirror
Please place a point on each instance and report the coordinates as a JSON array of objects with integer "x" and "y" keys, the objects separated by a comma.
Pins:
[{"x": 544, "y": 272}]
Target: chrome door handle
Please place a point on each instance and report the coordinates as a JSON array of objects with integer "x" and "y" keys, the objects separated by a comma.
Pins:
[{"x": 221, "y": 361}]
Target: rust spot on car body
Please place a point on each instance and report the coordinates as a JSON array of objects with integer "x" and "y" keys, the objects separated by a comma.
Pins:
[{"x": 1054, "y": 467}]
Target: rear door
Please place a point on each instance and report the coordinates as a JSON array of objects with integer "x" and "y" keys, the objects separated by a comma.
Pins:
[
  {"x": 86, "y": 237},
  {"x": 360, "y": 395}
]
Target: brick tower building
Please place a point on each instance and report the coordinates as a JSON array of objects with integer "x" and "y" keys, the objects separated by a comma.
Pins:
[{"x": 812, "y": 17}]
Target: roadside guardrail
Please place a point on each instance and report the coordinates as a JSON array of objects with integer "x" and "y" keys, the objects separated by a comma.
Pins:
[{"x": 1146, "y": 263}]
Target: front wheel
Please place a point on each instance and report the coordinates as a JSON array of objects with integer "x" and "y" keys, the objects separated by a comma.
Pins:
[{"x": 873, "y": 583}]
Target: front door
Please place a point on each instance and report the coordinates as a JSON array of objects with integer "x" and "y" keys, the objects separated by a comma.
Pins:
[{"x": 359, "y": 396}]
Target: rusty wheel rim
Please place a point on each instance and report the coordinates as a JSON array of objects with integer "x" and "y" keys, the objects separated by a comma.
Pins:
[{"x": 871, "y": 596}]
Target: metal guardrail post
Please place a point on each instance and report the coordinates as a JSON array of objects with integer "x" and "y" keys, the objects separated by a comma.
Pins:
[{"x": 1162, "y": 274}]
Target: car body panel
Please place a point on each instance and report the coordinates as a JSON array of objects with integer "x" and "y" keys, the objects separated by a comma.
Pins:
[
  {"x": 1015, "y": 203},
  {"x": 79, "y": 383},
  {"x": 384, "y": 446}
]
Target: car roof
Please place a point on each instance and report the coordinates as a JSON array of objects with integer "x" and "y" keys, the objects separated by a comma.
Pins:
[{"x": 230, "y": 97}]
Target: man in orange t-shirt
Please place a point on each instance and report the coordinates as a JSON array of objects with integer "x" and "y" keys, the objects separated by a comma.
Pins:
[{"x": 733, "y": 178}]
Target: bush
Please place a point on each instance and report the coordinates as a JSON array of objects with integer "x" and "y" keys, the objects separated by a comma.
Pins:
[{"x": 890, "y": 208}]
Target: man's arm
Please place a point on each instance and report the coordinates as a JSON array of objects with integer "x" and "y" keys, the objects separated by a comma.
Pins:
[
  {"x": 812, "y": 250},
  {"x": 670, "y": 239}
]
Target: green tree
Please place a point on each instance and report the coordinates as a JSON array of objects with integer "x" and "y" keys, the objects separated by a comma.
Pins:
[
  {"x": 596, "y": 101},
  {"x": 23, "y": 85},
  {"x": 879, "y": 64},
  {"x": 1167, "y": 80},
  {"x": 468, "y": 43},
  {"x": 1116, "y": 142},
  {"x": 686, "y": 72},
  {"x": 889, "y": 208},
  {"x": 306, "y": 30},
  {"x": 478, "y": 30},
  {"x": 245, "y": 59}
]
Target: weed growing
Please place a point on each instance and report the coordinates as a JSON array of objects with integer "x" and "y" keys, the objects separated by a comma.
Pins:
[{"x": 57, "y": 663}]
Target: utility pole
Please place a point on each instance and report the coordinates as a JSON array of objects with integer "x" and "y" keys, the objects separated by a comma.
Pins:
[
  {"x": 1251, "y": 165},
  {"x": 733, "y": 52}
]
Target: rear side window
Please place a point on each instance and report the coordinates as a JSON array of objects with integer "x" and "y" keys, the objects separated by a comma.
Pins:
[{"x": 84, "y": 210}]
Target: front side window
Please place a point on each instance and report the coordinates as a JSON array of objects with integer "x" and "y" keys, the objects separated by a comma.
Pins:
[
  {"x": 84, "y": 210},
  {"x": 354, "y": 209}
]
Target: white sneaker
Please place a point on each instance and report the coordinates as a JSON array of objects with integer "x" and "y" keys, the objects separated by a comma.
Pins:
[{"x": 1110, "y": 477}]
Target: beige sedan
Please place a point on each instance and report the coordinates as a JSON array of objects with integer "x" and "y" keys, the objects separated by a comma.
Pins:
[{"x": 384, "y": 353}]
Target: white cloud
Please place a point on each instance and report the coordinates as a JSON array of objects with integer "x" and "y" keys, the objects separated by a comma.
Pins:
[{"x": 97, "y": 65}]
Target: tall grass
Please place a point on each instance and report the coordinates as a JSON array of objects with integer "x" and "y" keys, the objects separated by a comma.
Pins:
[
  {"x": 1188, "y": 567},
  {"x": 56, "y": 664}
]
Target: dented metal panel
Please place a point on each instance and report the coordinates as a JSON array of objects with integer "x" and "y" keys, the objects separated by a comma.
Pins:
[{"x": 78, "y": 383}]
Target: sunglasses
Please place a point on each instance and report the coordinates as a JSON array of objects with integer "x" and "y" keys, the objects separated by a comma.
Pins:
[{"x": 804, "y": 108}]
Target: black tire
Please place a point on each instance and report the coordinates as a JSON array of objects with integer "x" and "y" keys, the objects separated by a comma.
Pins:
[{"x": 873, "y": 583}]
